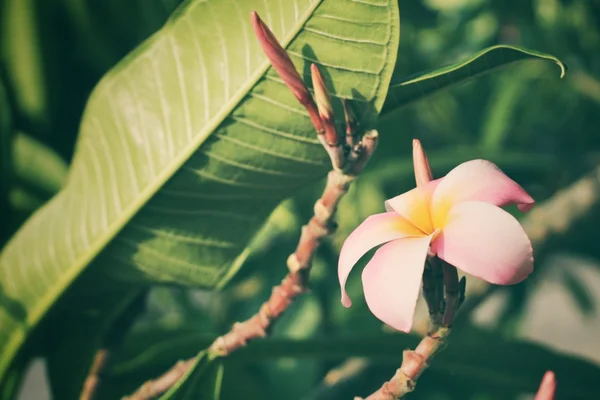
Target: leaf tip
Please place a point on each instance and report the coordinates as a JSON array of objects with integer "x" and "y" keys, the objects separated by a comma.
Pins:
[{"x": 563, "y": 68}]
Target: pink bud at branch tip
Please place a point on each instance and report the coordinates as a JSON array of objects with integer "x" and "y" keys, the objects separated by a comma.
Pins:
[
  {"x": 323, "y": 100},
  {"x": 421, "y": 164},
  {"x": 283, "y": 65},
  {"x": 547, "y": 388},
  {"x": 351, "y": 122}
]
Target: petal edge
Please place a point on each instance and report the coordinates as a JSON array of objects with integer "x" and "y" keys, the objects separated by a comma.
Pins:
[
  {"x": 375, "y": 230},
  {"x": 392, "y": 281},
  {"x": 485, "y": 241}
]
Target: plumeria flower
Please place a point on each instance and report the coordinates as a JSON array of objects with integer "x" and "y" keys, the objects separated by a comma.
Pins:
[{"x": 457, "y": 218}]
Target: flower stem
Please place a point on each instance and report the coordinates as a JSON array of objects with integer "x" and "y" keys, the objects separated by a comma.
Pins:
[
  {"x": 294, "y": 284},
  {"x": 444, "y": 293},
  {"x": 414, "y": 362},
  {"x": 346, "y": 165}
]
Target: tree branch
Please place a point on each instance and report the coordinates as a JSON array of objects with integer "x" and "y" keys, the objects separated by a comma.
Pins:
[
  {"x": 347, "y": 162},
  {"x": 439, "y": 276},
  {"x": 294, "y": 283}
]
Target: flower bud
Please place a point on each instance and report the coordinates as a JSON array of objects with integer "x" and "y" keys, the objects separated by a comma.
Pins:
[
  {"x": 547, "y": 387},
  {"x": 351, "y": 123},
  {"x": 323, "y": 100},
  {"x": 421, "y": 164},
  {"x": 282, "y": 63}
]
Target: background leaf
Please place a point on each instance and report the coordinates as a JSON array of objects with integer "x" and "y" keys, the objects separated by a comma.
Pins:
[
  {"x": 406, "y": 90},
  {"x": 36, "y": 167},
  {"x": 203, "y": 381},
  {"x": 176, "y": 168},
  {"x": 475, "y": 357},
  {"x": 6, "y": 134},
  {"x": 37, "y": 174}
]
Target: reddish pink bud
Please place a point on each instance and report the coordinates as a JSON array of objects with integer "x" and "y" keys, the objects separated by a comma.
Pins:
[
  {"x": 421, "y": 164},
  {"x": 351, "y": 122},
  {"x": 547, "y": 388},
  {"x": 282, "y": 63},
  {"x": 323, "y": 100}
]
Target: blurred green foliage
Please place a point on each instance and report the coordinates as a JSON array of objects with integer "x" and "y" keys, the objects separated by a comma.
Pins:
[{"x": 539, "y": 129}]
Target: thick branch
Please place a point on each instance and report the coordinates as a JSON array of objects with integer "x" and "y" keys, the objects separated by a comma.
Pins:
[
  {"x": 346, "y": 164},
  {"x": 294, "y": 283},
  {"x": 414, "y": 363},
  {"x": 439, "y": 276}
]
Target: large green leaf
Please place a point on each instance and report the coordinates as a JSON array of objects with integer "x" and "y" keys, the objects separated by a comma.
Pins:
[
  {"x": 406, "y": 90},
  {"x": 184, "y": 149}
]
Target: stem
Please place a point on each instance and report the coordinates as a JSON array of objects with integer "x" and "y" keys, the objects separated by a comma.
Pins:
[
  {"x": 433, "y": 293},
  {"x": 346, "y": 165},
  {"x": 295, "y": 282},
  {"x": 92, "y": 381},
  {"x": 438, "y": 277},
  {"x": 451, "y": 292},
  {"x": 414, "y": 363}
]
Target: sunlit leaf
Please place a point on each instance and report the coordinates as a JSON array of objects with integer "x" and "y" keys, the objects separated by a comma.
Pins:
[{"x": 185, "y": 147}]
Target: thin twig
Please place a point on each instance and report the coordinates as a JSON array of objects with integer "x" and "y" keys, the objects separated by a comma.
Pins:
[{"x": 92, "y": 381}]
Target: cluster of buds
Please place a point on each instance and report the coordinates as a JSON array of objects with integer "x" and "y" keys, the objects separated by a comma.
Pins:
[{"x": 347, "y": 156}]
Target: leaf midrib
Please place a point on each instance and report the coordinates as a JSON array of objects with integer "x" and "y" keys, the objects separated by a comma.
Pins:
[{"x": 18, "y": 335}]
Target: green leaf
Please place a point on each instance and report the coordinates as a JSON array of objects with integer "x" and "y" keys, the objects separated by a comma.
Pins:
[
  {"x": 184, "y": 149},
  {"x": 473, "y": 355},
  {"x": 109, "y": 29},
  {"x": 413, "y": 88},
  {"x": 37, "y": 174},
  {"x": 580, "y": 292},
  {"x": 6, "y": 133},
  {"x": 23, "y": 58},
  {"x": 202, "y": 381},
  {"x": 500, "y": 113},
  {"x": 37, "y": 167}
]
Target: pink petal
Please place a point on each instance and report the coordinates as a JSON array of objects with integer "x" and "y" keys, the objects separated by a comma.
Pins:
[
  {"x": 392, "y": 281},
  {"x": 485, "y": 241},
  {"x": 375, "y": 230},
  {"x": 477, "y": 180},
  {"x": 547, "y": 388},
  {"x": 414, "y": 205}
]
